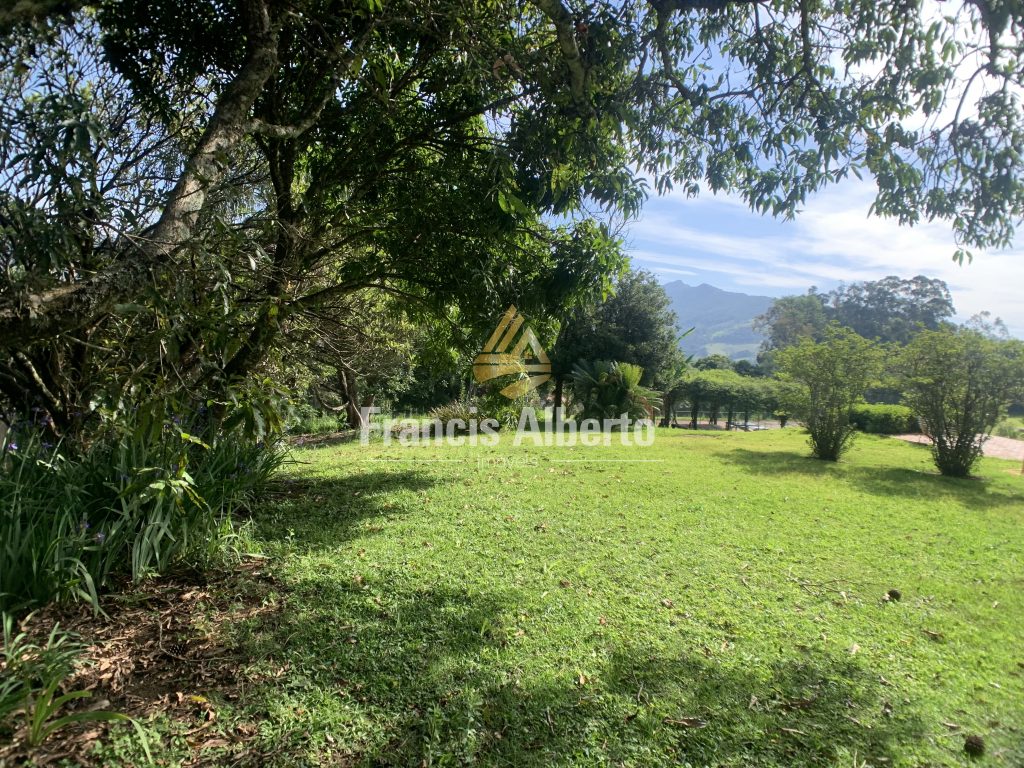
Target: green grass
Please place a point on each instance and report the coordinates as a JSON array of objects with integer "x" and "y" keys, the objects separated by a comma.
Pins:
[
  {"x": 718, "y": 604},
  {"x": 1011, "y": 426}
]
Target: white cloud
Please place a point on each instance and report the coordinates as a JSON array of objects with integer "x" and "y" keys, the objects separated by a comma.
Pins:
[{"x": 833, "y": 240}]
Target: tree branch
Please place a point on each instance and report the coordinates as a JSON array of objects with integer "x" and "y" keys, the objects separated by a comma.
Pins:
[
  {"x": 565, "y": 31},
  {"x": 21, "y": 13},
  {"x": 50, "y": 313}
]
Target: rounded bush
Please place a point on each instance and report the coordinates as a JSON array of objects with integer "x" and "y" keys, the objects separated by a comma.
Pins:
[{"x": 879, "y": 419}]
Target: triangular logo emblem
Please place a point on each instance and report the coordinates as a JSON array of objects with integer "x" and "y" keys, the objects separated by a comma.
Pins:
[{"x": 513, "y": 348}]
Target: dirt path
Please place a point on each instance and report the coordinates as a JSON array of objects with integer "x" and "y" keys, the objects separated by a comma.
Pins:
[{"x": 996, "y": 447}]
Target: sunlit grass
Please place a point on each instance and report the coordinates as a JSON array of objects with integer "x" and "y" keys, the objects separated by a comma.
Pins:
[{"x": 716, "y": 599}]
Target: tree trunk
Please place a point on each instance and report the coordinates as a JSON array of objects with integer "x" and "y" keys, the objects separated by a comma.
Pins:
[
  {"x": 666, "y": 417},
  {"x": 349, "y": 390},
  {"x": 24, "y": 319}
]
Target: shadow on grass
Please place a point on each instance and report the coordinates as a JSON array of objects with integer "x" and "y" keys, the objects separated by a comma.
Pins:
[
  {"x": 441, "y": 676},
  {"x": 971, "y": 492},
  {"x": 776, "y": 462},
  {"x": 886, "y": 482},
  {"x": 314, "y": 512}
]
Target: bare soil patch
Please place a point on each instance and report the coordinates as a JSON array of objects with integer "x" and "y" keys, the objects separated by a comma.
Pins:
[
  {"x": 995, "y": 447},
  {"x": 162, "y": 648}
]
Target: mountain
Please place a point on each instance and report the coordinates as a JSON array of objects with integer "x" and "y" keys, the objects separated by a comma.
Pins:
[{"x": 721, "y": 320}]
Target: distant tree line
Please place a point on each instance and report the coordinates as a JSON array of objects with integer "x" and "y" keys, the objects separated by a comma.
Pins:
[{"x": 893, "y": 340}]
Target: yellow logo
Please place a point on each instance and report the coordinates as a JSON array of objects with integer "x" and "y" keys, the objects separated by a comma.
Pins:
[{"x": 500, "y": 358}]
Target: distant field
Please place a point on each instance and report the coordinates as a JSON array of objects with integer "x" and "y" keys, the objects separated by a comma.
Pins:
[
  {"x": 734, "y": 351},
  {"x": 716, "y": 601}
]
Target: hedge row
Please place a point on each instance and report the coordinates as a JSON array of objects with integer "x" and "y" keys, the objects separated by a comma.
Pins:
[{"x": 884, "y": 419}]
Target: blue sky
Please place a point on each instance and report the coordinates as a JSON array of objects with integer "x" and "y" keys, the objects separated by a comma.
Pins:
[{"x": 718, "y": 240}]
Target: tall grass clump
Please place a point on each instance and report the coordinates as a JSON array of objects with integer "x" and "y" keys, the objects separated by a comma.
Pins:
[
  {"x": 130, "y": 503},
  {"x": 304, "y": 419}
]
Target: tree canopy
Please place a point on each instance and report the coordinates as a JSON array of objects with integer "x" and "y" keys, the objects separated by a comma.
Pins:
[
  {"x": 634, "y": 324},
  {"x": 890, "y": 310},
  {"x": 185, "y": 181}
]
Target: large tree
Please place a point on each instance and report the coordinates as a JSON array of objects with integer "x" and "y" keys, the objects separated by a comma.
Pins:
[
  {"x": 311, "y": 149},
  {"x": 891, "y": 309},
  {"x": 634, "y": 324},
  {"x": 790, "y": 319}
]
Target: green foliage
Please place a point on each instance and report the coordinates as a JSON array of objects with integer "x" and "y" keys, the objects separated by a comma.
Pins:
[
  {"x": 634, "y": 325},
  {"x": 792, "y": 318},
  {"x": 304, "y": 419},
  {"x": 890, "y": 310},
  {"x": 196, "y": 195},
  {"x": 1012, "y": 427},
  {"x": 318, "y": 424},
  {"x": 834, "y": 374},
  {"x": 491, "y": 404},
  {"x": 673, "y": 385},
  {"x": 714, "y": 390},
  {"x": 459, "y": 411},
  {"x": 31, "y": 677},
  {"x": 131, "y": 503},
  {"x": 878, "y": 419},
  {"x": 783, "y": 398},
  {"x": 713, "y": 363},
  {"x": 611, "y": 390},
  {"x": 958, "y": 384}
]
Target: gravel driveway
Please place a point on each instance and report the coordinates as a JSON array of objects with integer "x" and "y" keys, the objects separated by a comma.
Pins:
[{"x": 996, "y": 447}]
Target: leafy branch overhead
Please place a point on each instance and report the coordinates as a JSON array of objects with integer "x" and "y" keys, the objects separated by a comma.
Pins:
[{"x": 201, "y": 177}]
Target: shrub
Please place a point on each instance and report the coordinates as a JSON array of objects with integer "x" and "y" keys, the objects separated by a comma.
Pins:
[
  {"x": 1010, "y": 427},
  {"x": 958, "y": 383},
  {"x": 304, "y": 419},
  {"x": 321, "y": 424},
  {"x": 834, "y": 374},
  {"x": 492, "y": 404},
  {"x": 878, "y": 419},
  {"x": 131, "y": 503},
  {"x": 458, "y": 410},
  {"x": 607, "y": 390}
]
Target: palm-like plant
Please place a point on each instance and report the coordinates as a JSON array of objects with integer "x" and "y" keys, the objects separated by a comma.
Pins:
[{"x": 608, "y": 389}]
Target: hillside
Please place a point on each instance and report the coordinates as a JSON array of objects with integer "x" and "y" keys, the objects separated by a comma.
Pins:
[{"x": 721, "y": 320}]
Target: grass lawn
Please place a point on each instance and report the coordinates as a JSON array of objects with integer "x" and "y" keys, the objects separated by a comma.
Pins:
[{"x": 715, "y": 601}]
